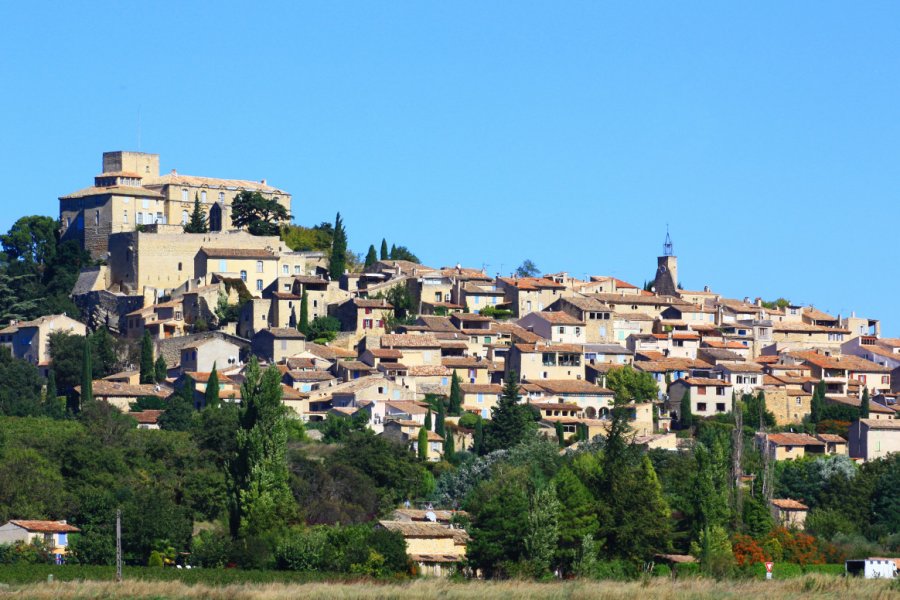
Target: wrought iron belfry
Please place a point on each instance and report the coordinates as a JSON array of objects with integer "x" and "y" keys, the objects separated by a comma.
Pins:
[{"x": 667, "y": 246}]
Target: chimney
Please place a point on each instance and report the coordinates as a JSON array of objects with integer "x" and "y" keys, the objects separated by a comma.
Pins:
[
  {"x": 705, "y": 288},
  {"x": 263, "y": 181},
  {"x": 174, "y": 172}
]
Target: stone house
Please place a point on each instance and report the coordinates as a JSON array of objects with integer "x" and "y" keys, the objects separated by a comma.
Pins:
[
  {"x": 54, "y": 534},
  {"x": 30, "y": 340},
  {"x": 277, "y": 343}
]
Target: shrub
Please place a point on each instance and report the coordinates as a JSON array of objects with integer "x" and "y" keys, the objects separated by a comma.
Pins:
[
  {"x": 156, "y": 559},
  {"x": 662, "y": 571},
  {"x": 687, "y": 569}
]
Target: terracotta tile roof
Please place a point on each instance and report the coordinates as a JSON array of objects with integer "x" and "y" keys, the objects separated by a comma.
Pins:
[
  {"x": 874, "y": 407},
  {"x": 517, "y": 332},
  {"x": 817, "y": 315},
  {"x": 429, "y": 371},
  {"x": 570, "y": 386},
  {"x": 402, "y": 340},
  {"x": 467, "y": 362},
  {"x": 310, "y": 375},
  {"x": 309, "y": 279},
  {"x": 653, "y": 300},
  {"x": 793, "y": 439},
  {"x": 203, "y": 377},
  {"x": 831, "y": 438},
  {"x": 174, "y": 178},
  {"x": 881, "y": 423},
  {"x": 437, "y": 323},
  {"x": 788, "y": 504},
  {"x": 531, "y": 283},
  {"x": 282, "y": 332},
  {"x": 146, "y": 417},
  {"x": 295, "y": 363},
  {"x": 556, "y": 406},
  {"x": 586, "y": 303},
  {"x": 416, "y": 529},
  {"x": 45, "y": 526},
  {"x": 846, "y": 361},
  {"x": 704, "y": 381},
  {"x": 385, "y": 353},
  {"x": 372, "y": 303},
  {"x": 329, "y": 352},
  {"x": 103, "y": 388},
  {"x": 788, "y": 327},
  {"x": 239, "y": 253},
  {"x": 119, "y": 190},
  {"x": 725, "y": 345},
  {"x": 470, "y": 317},
  {"x": 533, "y": 348},
  {"x": 408, "y": 406},
  {"x": 481, "y": 388},
  {"x": 742, "y": 367},
  {"x": 559, "y": 318},
  {"x": 670, "y": 364},
  {"x": 355, "y": 365}
]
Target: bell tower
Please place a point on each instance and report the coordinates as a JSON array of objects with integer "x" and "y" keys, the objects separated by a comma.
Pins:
[{"x": 666, "y": 282}]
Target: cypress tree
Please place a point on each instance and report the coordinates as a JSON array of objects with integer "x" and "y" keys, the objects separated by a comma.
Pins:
[
  {"x": 160, "y": 369},
  {"x": 455, "y": 395},
  {"x": 422, "y": 444},
  {"x": 439, "y": 423},
  {"x": 393, "y": 253},
  {"x": 371, "y": 257},
  {"x": 560, "y": 434},
  {"x": 292, "y": 321},
  {"x": 428, "y": 421},
  {"x": 449, "y": 446},
  {"x": 338, "y": 262},
  {"x": 51, "y": 398},
  {"x": 383, "y": 255},
  {"x": 148, "y": 370},
  {"x": 211, "y": 396},
  {"x": 864, "y": 404},
  {"x": 303, "y": 326},
  {"x": 818, "y": 402},
  {"x": 87, "y": 375},
  {"x": 687, "y": 416},
  {"x": 197, "y": 222},
  {"x": 478, "y": 438}
]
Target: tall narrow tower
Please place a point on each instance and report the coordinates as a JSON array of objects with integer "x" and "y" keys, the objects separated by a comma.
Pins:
[{"x": 666, "y": 282}]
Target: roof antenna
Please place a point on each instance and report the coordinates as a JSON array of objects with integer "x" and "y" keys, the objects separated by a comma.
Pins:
[{"x": 667, "y": 246}]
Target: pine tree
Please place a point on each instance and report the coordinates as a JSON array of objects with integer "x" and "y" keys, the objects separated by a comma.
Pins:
[
  {"x": 478, "y": 438},
  {"x": 87, "y": 375},
  {"x": 428, "y": 421},
  {"x": 303, "y": 326},
  {"x": 160, "y": 369},
  {"x": 180, "y": 413},
  {"x": 422, "y": 444},
  {"x": 439, "y": 421},
  {"x": 455, "y": 395},
  {"x": 338, "y": 261},
  {"x": 393, "y": 253},
  {"x": 383, "y": 255},
  {"x": 577, "y": 517},
  {"x": 197, "y": 222},
  {"x": 104, "y": 352},
  {"x": 687, "y": 416},
  {"x": 543, "y": 530},
  {"x": 864, "y": 404},
  {"x": 148, "y": 370},
  {"x": 371, "y": 257},
  {"x": 52, "y": 407},
  {"x": 211, "y": 395},
  {"x": 511, "y": 422},
  {"x": 260, "y": 499}
]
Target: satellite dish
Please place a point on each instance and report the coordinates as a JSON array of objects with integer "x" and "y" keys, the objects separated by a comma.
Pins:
[{"x": 430, "y": 516}]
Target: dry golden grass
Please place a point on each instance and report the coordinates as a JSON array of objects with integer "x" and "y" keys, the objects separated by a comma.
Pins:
[{"x": 812, "y": 586}]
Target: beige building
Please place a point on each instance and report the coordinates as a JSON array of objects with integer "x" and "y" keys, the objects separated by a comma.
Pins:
[
  {"x": 559, "y": 327},
  {"x": 874, "y": 438},
  {"x": 278, "y": 343},
  {"x": 130, "y": 193},
  {"x": 30, "y": 340},
  {"x": 546, "y": 361},
  {"x": 434, "y": 547},
  {"x": 54, "y": 534},
  {"x": 788, "y": 513}
]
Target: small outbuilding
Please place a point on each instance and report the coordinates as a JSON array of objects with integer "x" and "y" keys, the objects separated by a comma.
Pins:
[{"x": 872, "y": 568}]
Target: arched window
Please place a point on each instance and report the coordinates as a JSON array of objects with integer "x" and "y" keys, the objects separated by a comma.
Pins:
[
  {"x": 244, "y": 276},
  {"x": 184, "y": 217}
]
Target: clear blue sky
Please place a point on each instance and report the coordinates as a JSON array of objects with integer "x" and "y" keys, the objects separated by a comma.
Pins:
[{"x": 766, "y": 135}]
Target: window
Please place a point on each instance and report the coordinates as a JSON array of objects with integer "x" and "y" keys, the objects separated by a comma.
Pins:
[
  {"x": 562, "y": 331},
  {"x": 184, "y": 196},
  {"x": 577, "y": 331},
  {"x": 480, "y": 398},
  {"x": 368, "y": 311},
  {"x": 285, "y": 269},
  {"x": 380, "y": 323},
  {"x": 140, "y": 218},
  {"x": 861, "y": 378},
  {"x": 62, "y": 538},
  {"x": 179, "y": 266},
  {"x": 203, "y": 196},
  {"x": 701, "y": 407},
  {"x": 244, "y": 276},
  {"x": 720, "y": 407},
  {"x": 96, "y": 217},
  {"x": 296, "y": 269},
  {"x": 701, "y": 390},
  {"x": 184, "y": 217},
  {"x": 799, "y": 401},
  {"x": 159, "y": 217},
  {"x": 259, "y": 266},
  {"x": 885, "y": 379},
  {"x": 125, "y": 217},
  {"x": 367, "y": 323},
  {"x": 549, "y": 359},
  {"x": 221, "y": 196},
  {"x": 315, "y": 303},
  {"x": 259, "y": 285},
  {"x": 284, "y": 344},
  {"x": 68, "y": 221},
  {"x": 720, "y": 391},
  {"x": 487, "y": 340}
]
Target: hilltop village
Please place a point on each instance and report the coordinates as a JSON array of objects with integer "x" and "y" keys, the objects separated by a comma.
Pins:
[{"x": 199, "y": 274}]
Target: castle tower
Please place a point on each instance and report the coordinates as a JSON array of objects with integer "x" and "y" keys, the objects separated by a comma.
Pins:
[{"x": 666, "y": 282}]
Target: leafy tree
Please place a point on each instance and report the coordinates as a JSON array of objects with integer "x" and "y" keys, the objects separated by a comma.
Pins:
[
  {"x": 211, "y": 395},
  {"x": 160, "y": 369},
  {"x": 629, "y": 384},
  {"x": 180, "y": 412},
  {"x": 148, "y": 368},
  {"x": 105, "y": 359},
  {"x": 53, "y": 408},
  {"x": 260, "y": 499},
  {"x": 383, "y": 254},
  {"x": 323, "y": 329},
  {"x": 543, "y": 530},
  {"x": 715, "y": 552},
  {"x": 20, "y": 386},
  {"x": 303, "y": 326},
  {"x": 499, "y": 509},
  {"x": 338, "y": 261},
  {"x": 687, "y": 416},
  {"x": 455, "y": 395},
  {"x": 198, "y": 221},
  {"x": 511, "y": 422},
  {"x": 817, "y": 404},
  {"x": 713, "y": 484},
  {"x": 403, "y": 253},
  {"x": 371, "y": 257},
  {"x": 298, "y": 238},
  {"x": 422, "y": 444},
  {"x": 864, "y": 404},
  {"x": 478, "y": 438},
  {"x": 31, "y": 240},
  {"x": 527, "y": 269},
  {"x": 12, "y": 306},
  {"x": 260, "y": 215}
]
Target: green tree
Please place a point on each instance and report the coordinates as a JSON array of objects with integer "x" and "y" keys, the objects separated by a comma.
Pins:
[
  {"x": 87, "y": 376},
  {"x": 403, "y": 253},
  {"x": 864, "y": 404},
  {"x": 260, "y": 499},
  {"x": 478, "y": 438},
  {"x": 577, "y": 516},
  {"x": 31, "y": 240},
  {"x": 160, "y": 369},
  {"x": 560, "y": 434},
  {"x": 527, "y": 269},
  {"x": 686, "y": 420},
  {"x": 260, "y": 215},
  {"x": 338, "y": 261},
  {"x": 304, "y": 314},
  {"x": 422, "y": 444},
  {"x": 817, "y": 405},
  {"x": 543, "y": 530},
  {"x": 449, "y": 445},
  {"x": 52, "y": 406},
  {"x": 383, "y": 254},
  {"x": 20, "y": 387},
  {"x": 428, "y": 421},
  {"x": 211, "y": 395},
  {"x": 631, "y": 385},
  {"x": 714, "y": 552},
  {"x": 499, "y": 508},
  {"x": 511, "y": 422},
  {"x": 323, "y": 329},
  {"x": 180, "y": 412},
  {"x": 197, "y": 222},
  {"x": 371, "y": 257},
  {"x": 455, "y": 395},
  {"x": 148, "y": 369},
  {"x": 439, "y": 420},
  {"x": 105, "y": 358}
]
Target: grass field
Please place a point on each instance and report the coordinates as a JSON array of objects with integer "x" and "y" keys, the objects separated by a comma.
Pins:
[{"x": 809, "y": 586}]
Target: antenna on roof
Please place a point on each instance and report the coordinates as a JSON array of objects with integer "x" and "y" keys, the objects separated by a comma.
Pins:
[{"x": 667, "y": 246}]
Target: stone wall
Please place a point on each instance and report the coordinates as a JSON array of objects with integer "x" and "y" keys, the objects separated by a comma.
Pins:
[
  {"x": 170, "y": 348},
  {"x": 102, "y": 308}
]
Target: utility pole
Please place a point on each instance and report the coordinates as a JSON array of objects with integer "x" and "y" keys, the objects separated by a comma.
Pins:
[{"x": 119, "y": 545}]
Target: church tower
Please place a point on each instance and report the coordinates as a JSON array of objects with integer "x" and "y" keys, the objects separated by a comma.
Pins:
[{"x": 666, "y": 282}]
